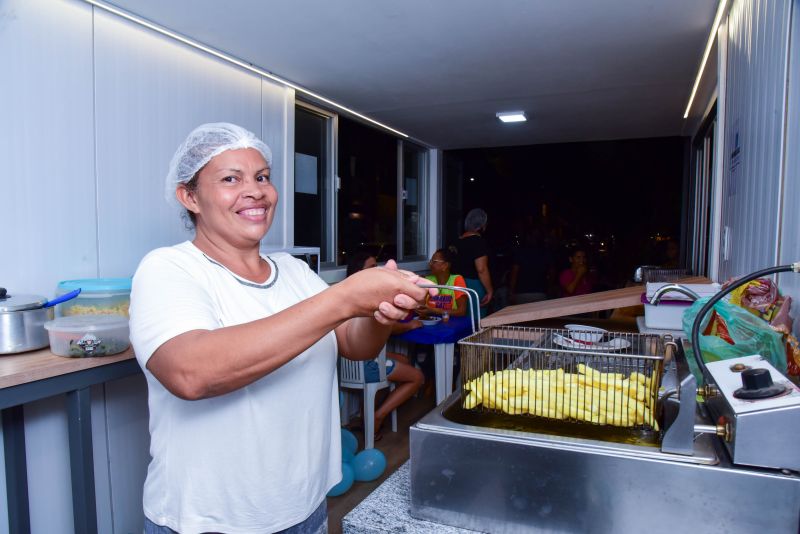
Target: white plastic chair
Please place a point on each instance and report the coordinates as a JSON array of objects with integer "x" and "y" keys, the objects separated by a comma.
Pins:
[{"x": 352, "y": 376}]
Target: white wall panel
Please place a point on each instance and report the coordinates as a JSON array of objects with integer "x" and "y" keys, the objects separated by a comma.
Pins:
[
  {"x": 47, "y": 451},
  {"x": 102, "y": 481},
  {"x": 790, "y": 226},
  {"x": 47, "y": 220},
  {"x": 151, "y": 92},
  {"x": 755, "y": 94},
  {"x": 128, "y": 450},
  {"x": 3, "y": 493},
  {"x": 277, "y": 117}
]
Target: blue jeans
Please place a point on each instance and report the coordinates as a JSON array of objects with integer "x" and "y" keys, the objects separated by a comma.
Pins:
[
  {"x": 317, "y": 523},
  {"x": 372, "y": 373}
]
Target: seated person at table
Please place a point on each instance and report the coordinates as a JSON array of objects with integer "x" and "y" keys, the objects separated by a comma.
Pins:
[
  {"x": 577, "y": 280},
  {"x": 448, "y": 301},
  {"x": 408, "y": 379}
]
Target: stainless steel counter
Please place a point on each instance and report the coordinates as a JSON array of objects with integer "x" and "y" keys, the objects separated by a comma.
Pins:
[
  {"x": 386, "y": 510},
  {"x": 509, "y": 481}
]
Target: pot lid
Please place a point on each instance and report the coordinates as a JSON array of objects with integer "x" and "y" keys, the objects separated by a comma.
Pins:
[{"x": 11, "y": 303}]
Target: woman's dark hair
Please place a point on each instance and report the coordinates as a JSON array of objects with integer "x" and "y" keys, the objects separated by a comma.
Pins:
[
  {"x": 356, "y": 262},
  {"x": 445, "y": 254},
  {"x": 191, "y": 186}
]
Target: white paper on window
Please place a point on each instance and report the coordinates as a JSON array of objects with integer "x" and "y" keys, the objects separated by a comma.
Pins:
[{"x": 305, "y": 173}]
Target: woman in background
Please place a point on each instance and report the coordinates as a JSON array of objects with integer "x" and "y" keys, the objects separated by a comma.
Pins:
[
  {"x": 447, "y": 301},
  {"x": 577, "y": 280}
]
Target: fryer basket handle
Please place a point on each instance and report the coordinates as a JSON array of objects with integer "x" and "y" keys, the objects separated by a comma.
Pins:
[{"x": 474, "y": 302}]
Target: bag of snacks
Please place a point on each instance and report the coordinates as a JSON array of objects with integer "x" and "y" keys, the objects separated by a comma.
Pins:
[
  {"x": 762, "y": 298},
  {"x": 729, "y": 331}
]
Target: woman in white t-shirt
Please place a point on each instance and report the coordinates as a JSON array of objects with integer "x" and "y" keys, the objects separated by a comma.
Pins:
[{"x": 239, "y": 352}]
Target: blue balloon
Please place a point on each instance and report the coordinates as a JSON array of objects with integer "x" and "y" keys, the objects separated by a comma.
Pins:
[
  {"x": 347, "y": 455},
  {"x": 369, "y": 464},
  {"x": 345, "y": 483},
  {"x": 349, "y": 441}
]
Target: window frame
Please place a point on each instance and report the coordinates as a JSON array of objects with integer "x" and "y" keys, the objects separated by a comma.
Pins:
[
  {"x": 328, "y": 244},
  {"x": 329, "y": 270},
  {"x": 422, "y": 193}
]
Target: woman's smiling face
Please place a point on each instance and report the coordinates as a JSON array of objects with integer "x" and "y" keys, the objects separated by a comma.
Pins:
[{"x": 234, "y": 198}]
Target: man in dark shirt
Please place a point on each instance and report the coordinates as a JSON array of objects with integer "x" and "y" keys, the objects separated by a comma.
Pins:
[{"x": 471, "y": 257}]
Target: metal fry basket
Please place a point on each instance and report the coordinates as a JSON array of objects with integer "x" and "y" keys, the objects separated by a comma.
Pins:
[
  {"x": 559, "y": 375},
  {"x": 663, "y": 275}
]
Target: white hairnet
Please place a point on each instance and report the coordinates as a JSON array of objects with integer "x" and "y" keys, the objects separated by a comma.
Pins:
[{"x": 205, "y": 142}]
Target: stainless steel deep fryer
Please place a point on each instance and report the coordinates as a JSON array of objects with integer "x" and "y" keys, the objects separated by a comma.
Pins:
[{"x": 548, "y": 434}]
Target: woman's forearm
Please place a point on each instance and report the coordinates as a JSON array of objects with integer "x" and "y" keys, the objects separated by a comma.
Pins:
[
  {"x": 206, "y": 363},
  {"x": 362, "y": 338},
  {"x": 574, "y": 284}
]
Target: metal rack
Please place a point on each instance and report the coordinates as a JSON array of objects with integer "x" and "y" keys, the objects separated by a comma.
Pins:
[{"x": 551, "y": 374}]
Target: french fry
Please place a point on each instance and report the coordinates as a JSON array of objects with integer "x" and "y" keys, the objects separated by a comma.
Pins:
[{"x": 589, "y": 395}]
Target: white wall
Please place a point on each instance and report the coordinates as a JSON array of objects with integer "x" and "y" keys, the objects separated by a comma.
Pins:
[
  {"x": 754, "y": 124},
  {"x": 48, "y": 223},
  {"x": 789, "y": 242},
  {"x": 93, "y": 108},
  {"x": 761, "y": 186}
]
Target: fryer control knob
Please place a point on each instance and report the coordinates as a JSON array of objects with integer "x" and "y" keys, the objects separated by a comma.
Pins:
[
  {"x": 757, "y": 384},
  {"x": 756, "y": 379}
]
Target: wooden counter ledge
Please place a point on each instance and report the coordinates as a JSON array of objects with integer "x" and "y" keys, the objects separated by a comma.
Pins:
[
  {"x": 26, "y": 367},
  {"x": 604, "y": 300}
]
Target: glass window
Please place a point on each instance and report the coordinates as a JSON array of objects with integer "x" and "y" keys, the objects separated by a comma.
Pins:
[
  {"x": 414, "y": 162},
  {"x": 367, "y": 197},
  {"x": 311, "y": 179}
]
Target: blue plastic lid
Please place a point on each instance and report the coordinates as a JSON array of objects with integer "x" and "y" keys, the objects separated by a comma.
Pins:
[{"x": 96, "y": 284}]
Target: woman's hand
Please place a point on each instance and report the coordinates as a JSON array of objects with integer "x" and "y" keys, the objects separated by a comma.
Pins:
[{"x": 385, "y": 293}]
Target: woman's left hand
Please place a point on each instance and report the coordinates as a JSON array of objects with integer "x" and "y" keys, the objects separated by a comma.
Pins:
[{"x": 390, "y": 313}]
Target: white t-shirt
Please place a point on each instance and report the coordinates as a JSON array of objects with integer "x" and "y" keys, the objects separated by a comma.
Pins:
[{"x": 261, "y": 458}]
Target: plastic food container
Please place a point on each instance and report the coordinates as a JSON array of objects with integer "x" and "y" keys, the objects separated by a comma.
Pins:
[
  {"x": 668, "y": 313},
  {"x": 99, "y": 296},
  {"x": 83, "y": 336}
]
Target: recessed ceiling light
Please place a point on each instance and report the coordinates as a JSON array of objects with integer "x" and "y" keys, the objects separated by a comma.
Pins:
[{"x": 512, "y": 116}]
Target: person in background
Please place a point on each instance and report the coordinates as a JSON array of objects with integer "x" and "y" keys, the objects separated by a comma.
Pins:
[
  {"x": 360, "y": 261},
  {"x": 576, "y": 280},
  {"x": 471, "y": 255},
  {"x": 408, "y": 379},
  {"x": 531, "y": 270},
  {"x": 239, "y": 351},
  {"x": 672, "y": 253},
  {"x": 448, "y": 302}
]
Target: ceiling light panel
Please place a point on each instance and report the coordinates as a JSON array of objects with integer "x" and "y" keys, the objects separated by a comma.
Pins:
[{"x": 512, "y": 116}]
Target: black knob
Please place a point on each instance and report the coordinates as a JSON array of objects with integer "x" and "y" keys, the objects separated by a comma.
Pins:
[
  {"x": 2, "y": 292},
  {"x": 756, "y": 379},
  {"x": 758, "y": 385}
]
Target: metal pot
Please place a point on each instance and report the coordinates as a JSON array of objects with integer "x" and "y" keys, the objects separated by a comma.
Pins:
[{"x": 22, "y": 319}]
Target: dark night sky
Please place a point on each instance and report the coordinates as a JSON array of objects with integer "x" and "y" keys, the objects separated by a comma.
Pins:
[{"x": 628, "y": 189}]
